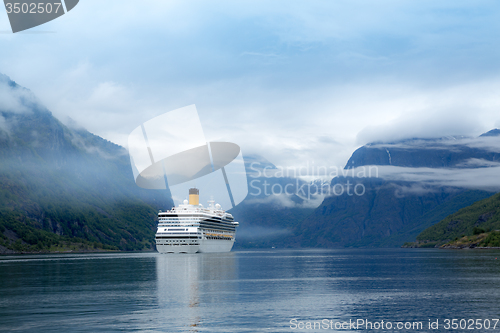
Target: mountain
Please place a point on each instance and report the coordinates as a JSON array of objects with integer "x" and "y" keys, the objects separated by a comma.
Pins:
[
  {"x": 268, "y": 215},
  {"x": 394, "y": 209},
  {"x": 481, "y": 218},
  {"x": 385, "y": 216},
  {"x": 65, "y": 188},
  {"x": 446, "y": 152},
  {"x": 493, "y": 132}
]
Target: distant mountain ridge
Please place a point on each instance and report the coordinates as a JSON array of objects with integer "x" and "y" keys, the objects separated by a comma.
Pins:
[
  {"x": 493, "y": 132},
  {"x": 446, "y": 152},
  {"x": 392, "y": 212},
  {"x": 381, "y": 217}
]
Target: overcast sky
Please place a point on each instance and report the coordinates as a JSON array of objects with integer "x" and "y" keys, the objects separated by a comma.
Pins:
[{"x": 293, "y": 81}]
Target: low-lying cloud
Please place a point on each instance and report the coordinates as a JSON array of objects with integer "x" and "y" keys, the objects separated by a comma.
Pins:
[
  {"x": 14, "y": 99},
  {"x": 471, "y": 178},
  {"x": 281, "y": 200},
  {"x": 258, "y": 232}
]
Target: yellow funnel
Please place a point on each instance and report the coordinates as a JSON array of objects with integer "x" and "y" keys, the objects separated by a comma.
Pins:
[{"x": 194, "y": 196}]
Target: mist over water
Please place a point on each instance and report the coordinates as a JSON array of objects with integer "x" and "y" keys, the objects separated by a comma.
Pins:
[{"x": 247, "y": 291}]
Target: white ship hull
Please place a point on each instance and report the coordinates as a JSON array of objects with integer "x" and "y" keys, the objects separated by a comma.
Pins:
[
  {"x": 191, "y": 228},
  {"x": 205, "y": 246}
]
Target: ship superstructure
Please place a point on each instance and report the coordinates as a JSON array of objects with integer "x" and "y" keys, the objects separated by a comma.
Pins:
[{"x": 192, "y": 228}]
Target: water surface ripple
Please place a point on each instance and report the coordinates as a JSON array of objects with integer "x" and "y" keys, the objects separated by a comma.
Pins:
[{"x": 246, "y": 291}]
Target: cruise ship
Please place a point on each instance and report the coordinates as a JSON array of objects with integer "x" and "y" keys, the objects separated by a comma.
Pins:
[{"x": 192, "y": 228}]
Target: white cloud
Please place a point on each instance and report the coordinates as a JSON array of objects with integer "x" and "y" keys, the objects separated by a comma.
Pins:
[
  {"x": 285, "y": 201},
  {"x": 454, "y": 144},
  {"x": 462, "y": 109},
  {"x": 491, "y": 144},
  {"x": 472, "y": 178},
  {"x": 478, "y": 163},
  {"x": 15, "y": 99},
  {"x": 276, "y": 78}
]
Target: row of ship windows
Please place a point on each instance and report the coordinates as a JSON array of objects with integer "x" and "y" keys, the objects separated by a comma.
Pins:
[
  {"x": 200, "y": 218},
  {"x": 179, "y": 225},
  {"x": 185, "y": 216},
  {"x": 212, "y": 230},
  {"x": 178, "y": 237},
  {"x": 178, "y": 233},
  {"x": 193, "y": 221},
  {"x": 193, "y": 217},
  {"x": 178, "y": 221},
  {"x": 220, "y": 229},
  {"x": 189, "y": 233},
  {"x": 176, "y": 241},
  {"x": 223, "y": 238},
  {"x": 170, "y": 239}
]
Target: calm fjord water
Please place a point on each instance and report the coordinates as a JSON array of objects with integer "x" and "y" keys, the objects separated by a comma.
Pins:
[{"x": 246, "y": 291}]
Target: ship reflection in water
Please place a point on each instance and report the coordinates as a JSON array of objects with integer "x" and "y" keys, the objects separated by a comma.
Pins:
[{"x": 186, "y": 282}]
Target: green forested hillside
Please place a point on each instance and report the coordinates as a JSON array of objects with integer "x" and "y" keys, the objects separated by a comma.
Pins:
[{"x": 478, "y": 218}]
